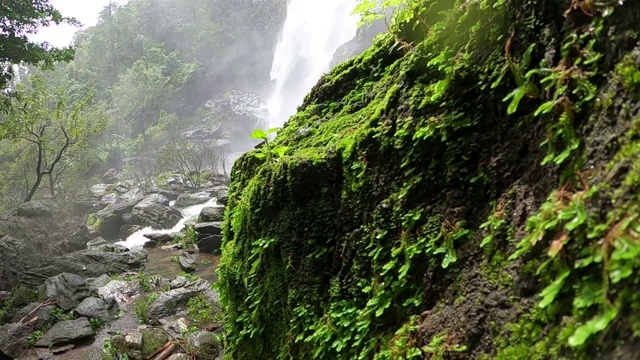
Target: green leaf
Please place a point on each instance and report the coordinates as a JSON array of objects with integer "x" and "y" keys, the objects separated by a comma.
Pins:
[
  {"x": 545, "y": 108},
  {"x": 273, "y": 130},
  {"x": 258, "y": 134},
  {"x": 550, "y": 292},
  {"x": 515, "y": 96},
  {"x": 593, "y": 326}
]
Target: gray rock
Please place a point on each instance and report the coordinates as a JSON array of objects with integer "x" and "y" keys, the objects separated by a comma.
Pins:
[
  {"x": 128, "y": 230},
  {"x": 175, "y": 327},
  {"x": 87, "y": 263},
  {"x": 179, "y": 281},
  {"x": 99, "y": 309},
  {"x": 97, "y": 283},
  {"x": 204, "y": 344},
  {"x": 97, "y": 242},
  {"x": 155, "y": 198},
  {"x": 133, "y": 194},
  {"x": 211, "y": 214},
  {"x": 152, "y": 340},
  {"x": 161, "y": 238},
  {"x": 209, "y": 228},
  {"x": 223, "y": 200},
  {"x": 100, "y": 190},
  {"x": 67, "y": 332},
  {"x": 171, "y": 195},
  {"x": 110, "y": 218},
  {"x": 120, "y": 291},
  {"x": 188, "y": 262},
  {"x": 13, "y": 339},
  {"x": 134, "y": 340},
  {"x": 179, "y": 356},
  {"x": 186, "y": 200},
  {"x": 150, "y": 213},
  {"x": 36, "y": 209},
  {"x": 209, "y": 243},
  {"x": 111, "y": 176},
  {"x": 109, "y": 199},
  {"x": 171, "y": 300},
  {"x": 67, "y": 290},
  {"x": 42, "y": 316}
]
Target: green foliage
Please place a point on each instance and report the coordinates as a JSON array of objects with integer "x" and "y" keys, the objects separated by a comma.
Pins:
[
  {"x": 271, "y": 154},
  {"x": 58, "y": 314},
  {"x": 441, "y": 345},
  {"x": 34, "y": 337},
  {"x": 629, "y": 73},
  {"x": 201, "y": 312},
  {"x": 96, "y": 324},
  {"x": 141, "y": 306}
]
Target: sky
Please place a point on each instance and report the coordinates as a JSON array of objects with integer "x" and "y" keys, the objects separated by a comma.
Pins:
[{"x": 86, "y": 11}]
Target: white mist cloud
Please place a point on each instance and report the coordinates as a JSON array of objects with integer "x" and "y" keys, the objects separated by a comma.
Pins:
[{"x": 86, "y": 11}]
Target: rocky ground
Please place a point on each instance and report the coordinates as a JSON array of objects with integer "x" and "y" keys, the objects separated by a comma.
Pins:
[{"x": 73, "y": 293}]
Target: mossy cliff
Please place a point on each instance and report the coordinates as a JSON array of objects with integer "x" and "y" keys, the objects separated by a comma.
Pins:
[{"x": 467, "y": 188}]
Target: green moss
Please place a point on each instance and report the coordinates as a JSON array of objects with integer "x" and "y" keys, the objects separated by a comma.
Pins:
[
  {"x": 629, "y": 73},
  {"x": 396, "y": 167}
]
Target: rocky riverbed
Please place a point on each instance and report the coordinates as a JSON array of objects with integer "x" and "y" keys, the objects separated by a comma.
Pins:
[{"x": 131, "y": 277}]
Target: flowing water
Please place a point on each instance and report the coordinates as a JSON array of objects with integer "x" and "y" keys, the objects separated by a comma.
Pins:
[
  {"x": 138, "y": 239},
  {"x": 312, "y": 32}
]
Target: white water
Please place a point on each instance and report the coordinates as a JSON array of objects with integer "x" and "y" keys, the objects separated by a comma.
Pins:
[
  {"x": 313, "y": 31},
  {"x": 138, "y": 239}
]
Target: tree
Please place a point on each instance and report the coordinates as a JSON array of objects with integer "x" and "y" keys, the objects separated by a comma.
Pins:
[
  {"x": 18, "y": 19},
  {"x": 48, "y": 130}
]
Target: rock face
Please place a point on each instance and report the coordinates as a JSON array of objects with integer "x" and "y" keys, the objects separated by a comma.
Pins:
[
  {"x": 188, "y": 262},
  {"x": 97, "y": 308},
  {"x": 67, "y": 332},
  {"x": 186, "y": 200},
  {"x": 209, "y": 243},
  {"x": 211, "y": 214},
  {"x": 207, "y": 344},
  {"x": 166, "y": 304},
  {"x": 13, "y": 339},
  {"x": 42, "y": 315},
  {"x": 86, "y": 263},
  {"x": 150, "y": 213},
  {"x": 67, "y": 290}
]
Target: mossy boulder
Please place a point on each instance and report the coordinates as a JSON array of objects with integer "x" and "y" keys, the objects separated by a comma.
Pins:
[{"x": 416, "y": 214}]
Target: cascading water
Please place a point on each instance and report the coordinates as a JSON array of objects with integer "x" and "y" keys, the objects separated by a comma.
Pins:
[
  {"x": 313, "y": 31},
  {"x": 138, "y": 239}
]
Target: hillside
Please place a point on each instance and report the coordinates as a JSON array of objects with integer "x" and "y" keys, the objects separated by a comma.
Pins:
[{"x": 467, "y": 188}]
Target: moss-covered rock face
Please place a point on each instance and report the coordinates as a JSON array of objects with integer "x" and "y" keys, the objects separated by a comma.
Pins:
[{"x": 467, "y": 188}]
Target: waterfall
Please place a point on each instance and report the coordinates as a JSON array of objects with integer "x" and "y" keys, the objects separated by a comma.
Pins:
[{"x": 312, "y": 32}]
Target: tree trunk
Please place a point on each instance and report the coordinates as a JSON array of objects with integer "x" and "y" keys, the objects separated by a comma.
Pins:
[
  {"x": 34, "y": 188},
  {"x": 51, "y": 185}
]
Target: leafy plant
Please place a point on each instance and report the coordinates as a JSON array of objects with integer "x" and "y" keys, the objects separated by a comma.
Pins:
[
  {"x": 267, "y": 151},
  {"x": 441, "y": 345},
  {"x": 96, "y": 324},
  {"x": 34, "y": 337},
  {"x": 141, "y": 307},
  {"x": 201, "y": 312}
]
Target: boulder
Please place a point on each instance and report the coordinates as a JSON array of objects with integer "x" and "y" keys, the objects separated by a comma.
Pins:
[
  {"x": 186, "y": 200},
  {"x": 97, "y": 308},
  {"x": 152, "y": 340},
  {"x": 204, "y": 344},
  {"x": 209, "y": 228},
  {"x": 97, "y": 283},
  {"x": 161, "y": 238},
  {"x": 149, "y": 213},
  {"x": 109, "y": 199},
  {"x": 179, "y": 356},
  {"x": 178, "y": 282},
  {"x": 95, "y": 243},
  {"x": 188, "y": 262},
  {"x": 111, "y": 176},
  {"x": 13, "y": 339},
  {"x": 109, "y": 220},
  {"x": 168, "y": 302},
  {"x": 67, "y": 290},
  {"x": 36, "y": 209},
  {"x": 128, "y": 230},
  {"x": 211, "y": 214},
  {"x": 133, "y": 194},
  {"x": 175, "y": 327},
  {"x": 223, "y": 200},
  {"x": 67, "y": 332},
  {"x": 42, "y": 315},
  {"x": 118, "y": 290},
  {"x": 209, "y": 243},
  {"x": 171, "y": 195},
  {"x": 86, "y": 263},
  {"x": 100, "y": 190}
]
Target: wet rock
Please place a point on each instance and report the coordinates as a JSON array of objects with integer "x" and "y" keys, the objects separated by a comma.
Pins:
[
  {"x": 67, "y": 290},
  {"x": 171, "y": 195},
  {"x": 133, "y": 194},
  {"x": 4, "y": 296},
  {"x": 205, "y": 345},
  {"x": 188, "y": 262},
  {"x": 67, "y": 332},
  {"x": 13, "y": 339},
  {"x": 36, "y": 209},
  {"x": 223, "y": 200},
  {"x": 209, "y": 228},
  {"x": 175, "y": 327},
  {"x": 95, "y": 243},
  {"x": 100, "y": 190},
  {"x": 149, "y": 213},
  {"x": 179, "y": 356},
  {"x": 97, "y": 283},
  {"x": 161, "y": 238},
  {"x": 128, "y": 230},
  {"x": 211, "y": 214},
  {"x": 86, "y": 263},
  {"x": 134, "y": 340},
  {"x": 152, "y": 340},
  {"x": 171, "y": 300},
  {"x": 209, "y": 243},
  {"x": 178, "y": 282},
  {"x": 186, "y": 200},
  {"x": 109, "y": 199},
  {"x": 42, "y": 315},
  {"x": 109, "y": 219},
  {"x": 111, "y": 176},
  {"x": 117, "y": 290},
  {"x": 97, "y": 308},
  {"x": 62, "y": 349}
]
